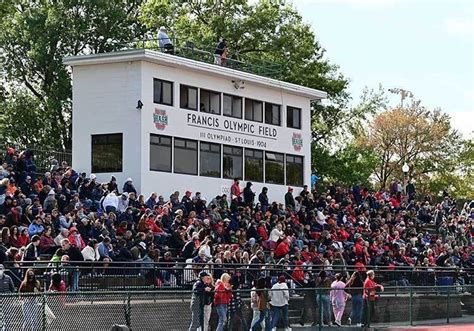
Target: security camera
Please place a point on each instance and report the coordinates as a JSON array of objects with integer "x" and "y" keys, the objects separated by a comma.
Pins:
[
  {"x": 238, "y": 84},
  {"x": 139, "y": 105}
]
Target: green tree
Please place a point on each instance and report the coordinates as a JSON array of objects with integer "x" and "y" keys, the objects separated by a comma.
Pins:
[{"x": 35, "y": 36}]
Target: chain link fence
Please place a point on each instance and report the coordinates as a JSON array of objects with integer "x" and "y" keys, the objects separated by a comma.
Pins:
[{"x": 171, "y": 310}]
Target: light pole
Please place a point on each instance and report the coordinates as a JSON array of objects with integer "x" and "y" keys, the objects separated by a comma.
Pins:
[
  {"x": 403, "y": 94},
  {"x": 405, "y": 169}
]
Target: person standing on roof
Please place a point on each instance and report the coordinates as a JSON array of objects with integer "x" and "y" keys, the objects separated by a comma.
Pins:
[
  {"x": 164, "y": 42},
  {"x": 220, "y": 54}
]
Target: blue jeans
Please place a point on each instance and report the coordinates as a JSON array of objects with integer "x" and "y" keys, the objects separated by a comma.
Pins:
[
  {"x": 74, "y": 287},
  {"x": 356, "y": 309},
  {"x": 276, "y": 311},
  {"x": 322, "y": 301},
  {"x": 264, "y": 315},
  {"x": 222, "y": 313}
]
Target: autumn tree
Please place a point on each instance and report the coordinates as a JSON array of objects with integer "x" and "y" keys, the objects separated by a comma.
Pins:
[{"x": 423, "y": 139}]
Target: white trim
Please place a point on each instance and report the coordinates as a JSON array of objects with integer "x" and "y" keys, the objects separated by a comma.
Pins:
[{"x": 177, "y": 61}]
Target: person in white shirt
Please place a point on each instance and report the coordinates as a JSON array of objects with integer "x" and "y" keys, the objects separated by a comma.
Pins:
[
  {"x": 110, "y": 202},
  {"x": 275, "y": 235},
  {"x": 280, "y": 295},
  {"x": 91, "y": 251},
  {"x": 164, "y": 41}
]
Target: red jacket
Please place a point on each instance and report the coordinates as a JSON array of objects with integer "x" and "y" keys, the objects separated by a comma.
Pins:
[
  {"x": 222, "y": 295},
  {"x": 370, "y": 289},
  {"x": 282, "y": 249}
]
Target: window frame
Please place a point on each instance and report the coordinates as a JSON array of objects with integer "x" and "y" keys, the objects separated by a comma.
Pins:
[
  {"x": 279, "y": 113},
  {"x": 160, "y": 102},
  {"x": 171, "y": 151},
  {"x": 210, "y": 151},
  {"x": 253, "y": 110},
  {"x": 233, "y": 97},
  {"x": 241, "y": 163},
  {"x": 108, "y": 136},
  {"x": 254, "y": 158},
  {"x": 266, "y": 167},
  {"x": 201, "y": 90},
  {"x": 287, "y": 169},
  {"x": 188, "y": 87},
  {"x": 187, "y": 149},
  {"x": 287, "y": 117}
]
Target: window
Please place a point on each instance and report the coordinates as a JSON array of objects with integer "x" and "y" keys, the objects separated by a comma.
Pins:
[
  {"x": 274, "y": 168},
  {"x": 210, "y": 160},
  {"x": 272, "y": 114},
  {"x": 253, "y": 165},
  {"x": 253, "y": 110},
  {"x": 293, "y": 117},
  {"x": 294, "y": 170},
  {"x": 107, "y": 152},
  {"x": 232, "y": 162},
  {"x": 185, "y": 156},
  {"x": 188, "y": 97},
  {"x": 162, "y": 92},
  {"x": 210, "y": 102},
  {"x": 232, "y": 106},
  {"x": 160, "y": 153}
]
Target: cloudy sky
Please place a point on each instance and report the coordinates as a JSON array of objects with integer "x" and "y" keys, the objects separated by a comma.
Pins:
[{"x": 425, "y": 46}]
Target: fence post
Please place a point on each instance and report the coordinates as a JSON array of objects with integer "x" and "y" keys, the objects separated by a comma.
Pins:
[
  {"x": 320, "y": 307},
  {"x": 128, "y": 311},
  {"x": 447, "y": 308},
  {"x": 43, "y": 312},
  {"x": 411, "y": 306}
]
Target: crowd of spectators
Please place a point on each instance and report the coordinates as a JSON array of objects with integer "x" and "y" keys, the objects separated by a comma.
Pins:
[{"x": 66, "y": 217}]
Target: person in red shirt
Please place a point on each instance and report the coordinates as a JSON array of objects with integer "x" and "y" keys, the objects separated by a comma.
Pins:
[
  {"x": 222, "y": 297},
  {"x": 283, "y": 248},
  {"x": 235, "y": 193},
  {"x": 370, "y": 295}
]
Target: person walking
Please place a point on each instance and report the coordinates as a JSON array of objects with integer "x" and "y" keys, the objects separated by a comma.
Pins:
[
  {"x": 222, "y": 298},
  {"x": 201, "y": 302},
  {"x": 260, "y": 314},
  {"x": 280, "y": 295},
  {"x": 323, "y": 284},
  {"x": 355, "y": 285},
  {"x": 369, "y": 296},
  {"x": 338, "y": 299}
]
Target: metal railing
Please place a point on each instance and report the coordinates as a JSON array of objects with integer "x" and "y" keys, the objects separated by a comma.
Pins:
[
  {"x": 165, "y": 310},
  {"x": 140, "y": 275}
]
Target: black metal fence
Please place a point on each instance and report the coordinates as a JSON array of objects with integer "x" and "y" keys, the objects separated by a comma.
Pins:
[{"x": 166, "y": 310}]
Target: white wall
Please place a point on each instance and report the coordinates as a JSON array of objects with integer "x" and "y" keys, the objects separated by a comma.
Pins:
[{"x": 104, "y": 101}]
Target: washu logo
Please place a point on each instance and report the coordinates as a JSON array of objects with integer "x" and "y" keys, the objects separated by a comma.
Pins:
[
  {"x": 297, "y": 141},
  {"x": 160, "y": 118}
]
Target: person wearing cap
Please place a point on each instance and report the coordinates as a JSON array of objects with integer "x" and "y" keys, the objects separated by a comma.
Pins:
[
  {"x": 164, "y": 42},
  {"x": 201, "y": 301},
  {"x": 279, "y": 297},
  {"x": 369, "y": 296},
  {"x": 289, "y": 199}
]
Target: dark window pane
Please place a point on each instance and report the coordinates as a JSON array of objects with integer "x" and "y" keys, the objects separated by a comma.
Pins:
[
  {"x": 253, "y": 110},
  {"x": 253, "y": 165},
  {"x": 274, "y": 168},
  {"x": 294, "y": 170},
  {"x": 272, "y": 114},
  {"x": 227, "y": 105},
  {"x": 188, "y": 97},
  {"x": 107, "y": 151},
  {"x": 232, "y": 161},
  {"x": 210, "y": 102},
  {"x": 293, "y": 117},
  {"x": 210, "y": 160},
  {"x": 232, "y": 106},
  {"x": 185, "y": 156},
  {"x": 160, "y": 153},
  {"x": 162, "y": 92}
]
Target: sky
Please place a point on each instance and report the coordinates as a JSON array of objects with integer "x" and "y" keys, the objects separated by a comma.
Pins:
[{"x": 424, "y": 46}]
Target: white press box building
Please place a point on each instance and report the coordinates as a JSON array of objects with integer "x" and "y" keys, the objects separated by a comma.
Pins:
[{"x": 200, "y": 125}]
